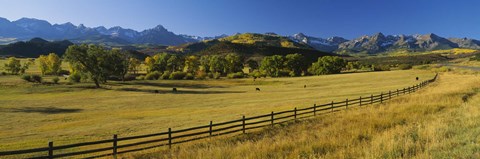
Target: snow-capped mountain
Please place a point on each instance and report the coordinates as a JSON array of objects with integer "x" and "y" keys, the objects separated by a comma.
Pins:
[
  {"x": 327, "y": 45},
  {"x": 380, "y": 43},
  {"x": 27, "y": 28}
]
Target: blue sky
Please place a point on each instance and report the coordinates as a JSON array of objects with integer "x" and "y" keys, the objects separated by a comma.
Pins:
[{"x": 322, "y": 18}]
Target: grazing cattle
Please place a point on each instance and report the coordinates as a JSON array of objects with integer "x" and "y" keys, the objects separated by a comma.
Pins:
[
  {"x": 465, "y": 98},
  {"x": 156, "y": 91},
  {"x": 417, "y": 78},
  {"x": 257, "y": 89},
  {"x": 304, "y": 86},
  {"x": 174, "y": 89}
]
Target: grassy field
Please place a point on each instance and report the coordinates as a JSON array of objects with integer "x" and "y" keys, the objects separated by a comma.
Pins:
[
  {"x": 432, "y": 123},
  {"x": 32, "y": 114}
]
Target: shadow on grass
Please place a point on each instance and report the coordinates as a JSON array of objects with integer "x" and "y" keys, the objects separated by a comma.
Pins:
[
  {"x": 171, "y": 85},
  {"x": 179, "y": 91},
  {"x": 41, "y": 110}
]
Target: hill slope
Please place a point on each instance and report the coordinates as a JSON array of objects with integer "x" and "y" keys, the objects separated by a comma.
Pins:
[
  {"x": 251, "y": 46},
  {"x": 34, "y": 48}
]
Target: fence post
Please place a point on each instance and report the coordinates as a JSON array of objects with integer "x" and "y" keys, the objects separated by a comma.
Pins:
[
  {"x": 381, "y": 97},
  {"x": 170, "y": 138},
  {"x": 404, "y": 91},
  {"x": 115, "y": 146},
  {"x": 371, "y": 99},
  {"x": 389, "y": 95},
  {"x": 346, "y": 103},
  {"x": 243, "y": 124},
  {"x": 211, "y": 128},
  {"x": 360, "y": 100},
  {"x": 314, "y": 109},
  {"x": 50, "y": 149},
  {"x": 331, "y": 106},
  {"x": 272, "y": 119},
  {"x": 295, "y": 114},
  {"x": 396, "y": 94},
  {"x": 409, "y": 90}
]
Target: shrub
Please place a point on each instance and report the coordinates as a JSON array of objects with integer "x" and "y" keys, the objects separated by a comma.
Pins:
[
  {"x": 210, "y": 75},
  {"x": 153, "y": 75},
  {"x": 166, "y": 75},
  {"x": 64, "y": 72},
  {"x": 27, "y": 78},
  {"x": 283, "y": 73},
  {"x": 75, "y": 77},
  {"x": 235, "y": 75},
  {"x": 217, "y": 75},
  {"x": 142, "y": 77},
  {"x": 201, "y": 75},
  {"x": 404, "y": 66},
  {"x": 381, "y": 68},
  {"x": 37, "y": 78},
  {"x": 55, "y": 80},
  {"x": 129, "y": 77},
  {"x": 256, "y": 74},
  {"x": 189, "y": 76},
  {"x": 441, "y": 69},
  {"x": 177, "y": 75}
]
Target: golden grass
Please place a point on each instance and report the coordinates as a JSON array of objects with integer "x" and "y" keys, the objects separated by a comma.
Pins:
[
  {"x": 454, "y": 51},
  {"x": 31, "y": 115},
  {"x": 432, "y": 123}
]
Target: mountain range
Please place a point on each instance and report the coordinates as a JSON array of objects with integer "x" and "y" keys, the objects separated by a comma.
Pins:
[
  {"x": 27, "y": 28},
  {"x": 380, "y": 43}
]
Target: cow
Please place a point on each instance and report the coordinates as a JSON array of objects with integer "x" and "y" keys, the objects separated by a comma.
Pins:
[
  {"x": 304, "y": 86},
  {"x": 174, "y": 90},
  {"x": 257, "y": 89},
  {"x": 416, "y": 78}
]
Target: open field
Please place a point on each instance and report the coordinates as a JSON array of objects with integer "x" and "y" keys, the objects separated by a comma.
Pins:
[
  {"x": 432, "y": 123},
  {"x": 31, "y": 115}
]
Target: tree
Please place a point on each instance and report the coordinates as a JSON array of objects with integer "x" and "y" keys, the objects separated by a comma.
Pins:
[
  {"x": 233, "y": 63},
  {"x": 25, "y": 67},
  {"x": 13, "y": 66},
  {"x": 217, "y": 64},
  {"x": 327, "y": 65},
  {"x": 88, "y": 59},
  {"x": 192, "y": 64},
  {"x": 252, "y": 64},
  {"x": 43, "y": 64},
  {"x": 118, "y": 62},
  {"x": 205, "y": 63},
  {"x": 272, "y": 65},
  {"x": 150, "y": 63},
  {"x": 161, "y": 62},
  {"x": 49, "y": 64},
  {"x": 54, "y": 63},
  {"x": 295, "y": 63},
  {"x": 352, "y": 65},
  {"x": 134, "y": 65},
  {"x": 174, "y": 63}
]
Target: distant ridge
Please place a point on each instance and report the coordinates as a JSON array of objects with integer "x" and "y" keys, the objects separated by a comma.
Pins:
[
  {"x": 27, "y": 28},
  {"x": 34, "y": 48}
]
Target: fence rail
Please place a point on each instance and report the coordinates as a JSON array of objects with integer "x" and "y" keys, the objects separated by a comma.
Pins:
[{"x": 171, "y": 137}]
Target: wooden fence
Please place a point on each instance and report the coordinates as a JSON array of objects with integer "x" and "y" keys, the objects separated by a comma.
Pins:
[{"x": 119, "y": 145}]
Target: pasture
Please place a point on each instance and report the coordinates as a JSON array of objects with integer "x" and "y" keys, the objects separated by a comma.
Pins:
[
  {"x": 439, "y": 121},
  {"x": 33, "y": 114}
]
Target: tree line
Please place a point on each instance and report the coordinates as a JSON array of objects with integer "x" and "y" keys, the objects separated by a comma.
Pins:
[{"x": 99, "y": 64}]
